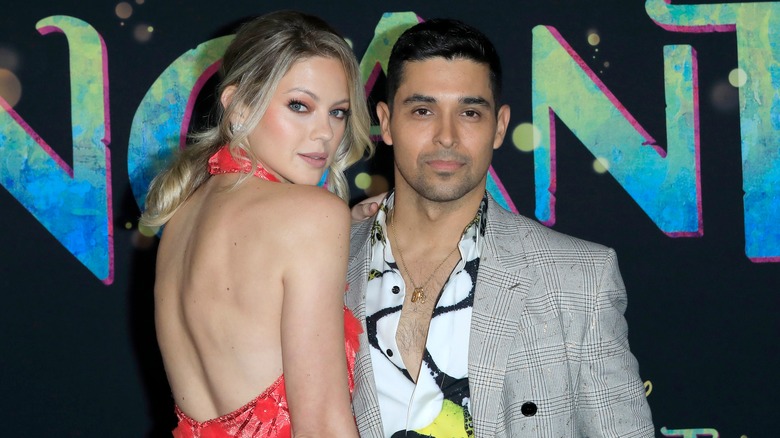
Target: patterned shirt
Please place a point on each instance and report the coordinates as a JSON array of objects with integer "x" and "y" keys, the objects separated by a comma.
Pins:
[{"x": 438, "y": 404}]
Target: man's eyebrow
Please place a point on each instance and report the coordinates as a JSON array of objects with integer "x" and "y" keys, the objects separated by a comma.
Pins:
[
  {"x": 466, "y": 100},
  {"x": 419, "y": 98},
  {"x": 475, "y": 100}
]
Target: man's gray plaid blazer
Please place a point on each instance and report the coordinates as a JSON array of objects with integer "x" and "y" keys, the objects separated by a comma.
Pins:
[{"x": 547, "y": 332}]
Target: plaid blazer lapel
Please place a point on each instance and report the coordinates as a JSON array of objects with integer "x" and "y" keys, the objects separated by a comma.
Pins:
[
  {"x": 499, "y": 300},
  {"x": 364, "y": 400}
]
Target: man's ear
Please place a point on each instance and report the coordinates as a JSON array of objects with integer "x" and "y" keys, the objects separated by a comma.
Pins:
[
  {"x": 502, "y": 122},
  {"x": 383, "y": 113}
]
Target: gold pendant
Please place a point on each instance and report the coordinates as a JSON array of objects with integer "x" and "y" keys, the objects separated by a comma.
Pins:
[{"x": 418, "y": 294}]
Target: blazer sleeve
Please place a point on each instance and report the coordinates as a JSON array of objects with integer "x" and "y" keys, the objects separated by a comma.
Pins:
[{"x": 611, "y": 399}]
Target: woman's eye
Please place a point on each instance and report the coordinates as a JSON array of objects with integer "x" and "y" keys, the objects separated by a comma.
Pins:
[
  {"x": 339, "y": 113},
  {"x": 297, "y": 106}
]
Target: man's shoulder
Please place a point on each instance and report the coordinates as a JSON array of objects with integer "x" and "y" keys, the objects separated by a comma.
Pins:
[
  {"x": 362, "y": 228},
  {"x": 534, "y": 238}
]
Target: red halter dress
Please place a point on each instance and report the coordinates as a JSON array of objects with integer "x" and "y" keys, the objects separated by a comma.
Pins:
[{"x": 267, "y": 415}]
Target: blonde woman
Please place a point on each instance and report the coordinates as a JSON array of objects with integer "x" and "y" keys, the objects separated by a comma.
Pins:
[{"x": 251, "y": 266}]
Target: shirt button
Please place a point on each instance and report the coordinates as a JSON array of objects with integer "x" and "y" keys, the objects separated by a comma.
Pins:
[
  {"x": 389, "y": 352},
  {"x": 396, "y": 289},
  {"x": 528, "y": 409}
]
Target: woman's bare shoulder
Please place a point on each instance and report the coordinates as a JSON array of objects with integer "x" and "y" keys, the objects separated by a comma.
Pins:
[
  {"x": 297, "y": 212},
  {"x": 296, "y": 201}
]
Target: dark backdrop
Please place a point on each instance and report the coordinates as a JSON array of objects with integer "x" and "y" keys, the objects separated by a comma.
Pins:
[{"x": 79, "y": 358}]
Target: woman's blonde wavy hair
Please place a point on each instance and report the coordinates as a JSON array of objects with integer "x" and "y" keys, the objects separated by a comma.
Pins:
[{"x": 263, "y": 51}]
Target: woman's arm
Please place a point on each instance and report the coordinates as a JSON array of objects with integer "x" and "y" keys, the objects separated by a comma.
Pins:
[{"x": 312, "y": 321}]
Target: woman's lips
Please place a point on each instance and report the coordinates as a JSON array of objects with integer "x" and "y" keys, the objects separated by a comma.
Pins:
[{"x": 315, "y": 159}]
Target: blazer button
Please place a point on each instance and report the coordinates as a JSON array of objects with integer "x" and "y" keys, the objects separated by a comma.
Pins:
[
  {"x": 528, "y": 409},
  {"x": 396, "y": 289}
]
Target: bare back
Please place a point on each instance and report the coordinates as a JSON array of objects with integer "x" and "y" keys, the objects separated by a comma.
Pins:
[{"x": 233, "y": 276}]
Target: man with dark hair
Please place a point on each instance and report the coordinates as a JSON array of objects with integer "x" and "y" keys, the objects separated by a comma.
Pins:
[
  {"x": 479, "y": 322},
  {"x": 448, "y": 39}
]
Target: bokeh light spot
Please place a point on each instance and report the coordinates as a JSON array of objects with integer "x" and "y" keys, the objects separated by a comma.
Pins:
[
  {"x": 593, "y": 38},
  {"x": 606, "y": 64},
  {"x": 143, "y": 33},
  {"x": 526, "y": 137},
  {"x": 147, "y": 231},
  {"x": 139, "y": 2},
  {"x": 600, "y": 165},
  {"x": 379, "y": 184},
  {"x": 371, "y": 184},
  {"x": 123, "y": 10},
  {"x": 10, "y": 87},
  {"x": 724, "y": 97},
  {"x": 363, "y": 181},
  {"x": 8, "y": 59},
  {"x": 142, "y": 241},
  {"x": 737, "y": 77}
]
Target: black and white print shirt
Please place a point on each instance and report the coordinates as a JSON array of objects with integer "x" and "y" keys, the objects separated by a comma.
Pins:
[{"x": 438, "y": 404}]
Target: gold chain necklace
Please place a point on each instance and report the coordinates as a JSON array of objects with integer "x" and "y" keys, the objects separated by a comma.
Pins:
[{"x": 419, "y": 291}]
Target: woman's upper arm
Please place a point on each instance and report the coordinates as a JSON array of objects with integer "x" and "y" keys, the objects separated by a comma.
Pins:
[{"x": 314, "y": 279}]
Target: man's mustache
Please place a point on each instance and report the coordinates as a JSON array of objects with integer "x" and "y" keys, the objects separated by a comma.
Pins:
[{"x": 445, "y": 156}]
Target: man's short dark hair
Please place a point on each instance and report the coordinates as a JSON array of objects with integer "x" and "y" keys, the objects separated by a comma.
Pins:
[{"x": 442, "y": 38}]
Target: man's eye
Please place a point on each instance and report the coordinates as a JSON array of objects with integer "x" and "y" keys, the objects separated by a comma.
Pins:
[
  {"x": 471, "y": 113},
  {"x": 421, "y": 112}
]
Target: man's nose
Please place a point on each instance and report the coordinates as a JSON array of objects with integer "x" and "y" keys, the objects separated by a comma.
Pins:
[{"x": 446, "y": 133}]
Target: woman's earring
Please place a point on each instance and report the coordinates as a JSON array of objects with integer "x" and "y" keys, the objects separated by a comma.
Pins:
[{"x": 236, "y": 127}]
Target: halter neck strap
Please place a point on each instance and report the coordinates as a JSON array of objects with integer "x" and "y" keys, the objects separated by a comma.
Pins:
[{"x": 223, "y": 162}]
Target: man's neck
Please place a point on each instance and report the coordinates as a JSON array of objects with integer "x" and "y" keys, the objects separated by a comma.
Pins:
[{"x": 424, "y": 223}]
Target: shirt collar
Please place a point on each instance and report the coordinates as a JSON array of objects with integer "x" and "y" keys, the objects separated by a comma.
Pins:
[{"x": 474, "y": 229}]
